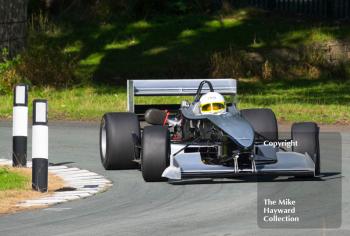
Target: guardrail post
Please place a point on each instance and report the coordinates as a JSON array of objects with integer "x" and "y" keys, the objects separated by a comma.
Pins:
[
  {"x": 20, "y": 126},
  {"x": 40, "y": 143}
]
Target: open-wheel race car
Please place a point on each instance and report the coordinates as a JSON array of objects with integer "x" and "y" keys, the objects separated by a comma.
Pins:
[{"x": 206, "y": 137}]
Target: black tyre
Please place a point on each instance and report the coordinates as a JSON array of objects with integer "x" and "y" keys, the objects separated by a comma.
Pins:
[
  {"x": 263, "y": 122},
  {"x": 155, "y": 152},
  {"x": 306, "y": 134},
  {"x": 117, "y": 147}
]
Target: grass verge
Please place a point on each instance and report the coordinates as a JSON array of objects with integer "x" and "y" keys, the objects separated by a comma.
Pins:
[
  {"x": 15, "y": 186},
  {"x": 12, "y": 180},
  {"x": 301, "y": 100}
]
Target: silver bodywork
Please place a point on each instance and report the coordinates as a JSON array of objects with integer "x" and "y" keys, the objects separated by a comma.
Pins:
[
  {"x": 190, "y": 165},
  {"x": 265, "y": 160},
  {"x": 232, "y": 123}
]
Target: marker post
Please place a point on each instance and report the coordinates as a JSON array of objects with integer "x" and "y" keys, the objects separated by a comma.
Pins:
[
  {"x": 40, "y": 143},
  {"x": 20, "y": 126}
]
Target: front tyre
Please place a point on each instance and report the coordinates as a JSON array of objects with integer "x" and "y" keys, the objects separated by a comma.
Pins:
[
  {"x": 263, "y": 121},
  {"x": 155, "y": 152},
  {"x": 117, "y": 148},
  {"x": 306, "y": 134}
]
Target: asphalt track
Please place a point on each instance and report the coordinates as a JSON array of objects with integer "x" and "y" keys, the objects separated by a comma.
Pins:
[{"x": 133, "y": 207}]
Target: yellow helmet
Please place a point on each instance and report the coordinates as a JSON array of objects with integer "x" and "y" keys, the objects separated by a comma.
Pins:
[{"x": 212, "y": 103}]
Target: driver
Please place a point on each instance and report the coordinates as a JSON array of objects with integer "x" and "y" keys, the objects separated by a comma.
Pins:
[{"x": 212, "y": 103}]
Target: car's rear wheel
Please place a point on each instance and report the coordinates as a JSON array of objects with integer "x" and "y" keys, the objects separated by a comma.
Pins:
[
  {"x": 155, "y": 152},
  {"x": 117, "y": 148},
  {"x": 263, "y": 121},
  {"x": 306, "y": 134}
]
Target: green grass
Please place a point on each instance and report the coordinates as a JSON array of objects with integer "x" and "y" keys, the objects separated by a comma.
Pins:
[
  {"x": 304, "y": 100},
  {"x": 11, "y": 181}
]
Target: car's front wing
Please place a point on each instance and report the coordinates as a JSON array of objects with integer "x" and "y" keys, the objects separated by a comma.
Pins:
[{"x": 190, "y": 165}]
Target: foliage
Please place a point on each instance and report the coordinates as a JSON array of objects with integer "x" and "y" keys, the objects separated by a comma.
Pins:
[
  {"x": 105, "y": 9},
  {"x": 36, "y": 6},
  {"x": 279, "y": 64},
  {"x": 240, "y": 43},
  {"x": 8, "y": 73},
  {"x": 44, "y": 64}
]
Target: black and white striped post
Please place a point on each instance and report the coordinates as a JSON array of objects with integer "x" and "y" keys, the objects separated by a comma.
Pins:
[
  {"x": 40, "y": 146},
  {"x": 20, "y": 126}
]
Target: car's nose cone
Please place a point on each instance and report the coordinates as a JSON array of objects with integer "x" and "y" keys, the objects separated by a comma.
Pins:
[{"x": 237, "y": 128}]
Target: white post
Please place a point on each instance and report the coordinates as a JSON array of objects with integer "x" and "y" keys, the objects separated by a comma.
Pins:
[
  {"x": 20, "y": 126},
  {"x": 40, "y": 146}
]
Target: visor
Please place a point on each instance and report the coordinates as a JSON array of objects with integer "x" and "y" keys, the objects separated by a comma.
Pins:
[{"x": 212, "y": 107}]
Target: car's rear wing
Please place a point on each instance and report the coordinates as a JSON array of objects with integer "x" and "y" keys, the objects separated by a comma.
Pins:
[{"x": 172, "y": 87}]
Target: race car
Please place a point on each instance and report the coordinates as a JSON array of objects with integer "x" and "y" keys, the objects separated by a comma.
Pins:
[{"x": 206, "y": 137}]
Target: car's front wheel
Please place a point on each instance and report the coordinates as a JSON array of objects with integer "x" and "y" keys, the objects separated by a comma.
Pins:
[
  {"x": 263, "y": 121},
  {"x": 155, "y": 155},
  {"x": 306, "y": 134}
]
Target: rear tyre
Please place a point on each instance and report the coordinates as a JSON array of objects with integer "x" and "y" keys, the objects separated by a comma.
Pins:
[
  {"x": 263, "y": 121},
  {"x": 117, "y": 148},
  {"x": 155, "y": 152},
  {"x": 307, "y": 136}
]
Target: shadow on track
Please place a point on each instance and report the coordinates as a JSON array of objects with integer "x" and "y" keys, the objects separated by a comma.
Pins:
[
  {"x": 325, "y": 176},
  {"x": 61, "y": 163}
]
